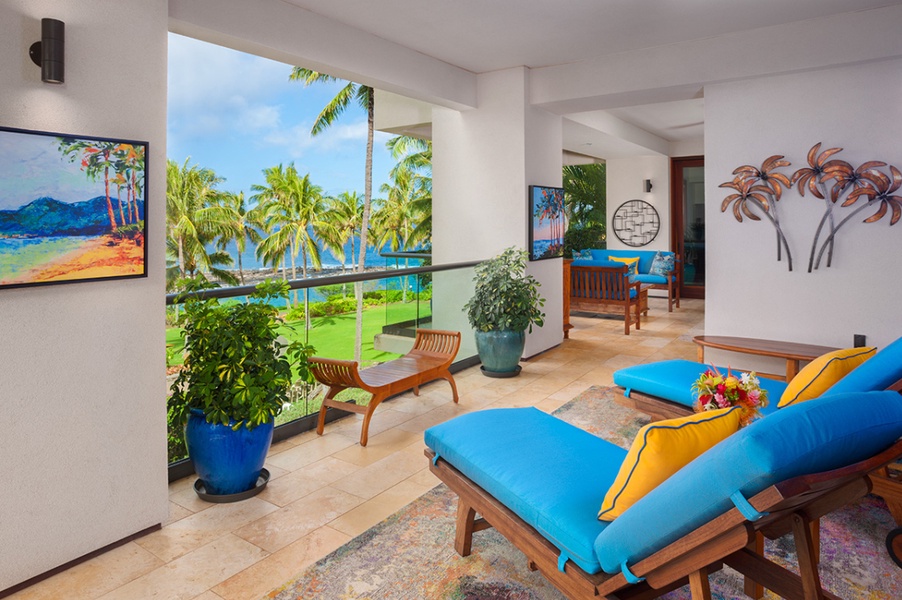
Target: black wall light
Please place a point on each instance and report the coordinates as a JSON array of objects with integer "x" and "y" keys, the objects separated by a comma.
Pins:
[
  {"x": 48, "y": 53},
  {"x": 647, "y": 185}
]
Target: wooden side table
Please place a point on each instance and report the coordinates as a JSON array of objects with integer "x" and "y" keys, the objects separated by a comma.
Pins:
[{"x": 792, "y": 352}]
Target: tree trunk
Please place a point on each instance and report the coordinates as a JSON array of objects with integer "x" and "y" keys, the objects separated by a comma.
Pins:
[
  {"x": 119, "y": 202},
  {"x": 109, "y": 202},
  {"x": 364, "y": 225}
]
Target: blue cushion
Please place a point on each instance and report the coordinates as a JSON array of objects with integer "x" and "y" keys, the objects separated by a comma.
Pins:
[
  {"x": 551, "y": 474},
  {"x": 808, "y": 437},
  {"x": 673, "y": 379},
  {"x": 662, "y": 264},
  {"x": 651, "y": 279},
  {"x": 876, "y": 373},
  {"x": 582, "y": 262},
  {"x": 586, "y": 254}
]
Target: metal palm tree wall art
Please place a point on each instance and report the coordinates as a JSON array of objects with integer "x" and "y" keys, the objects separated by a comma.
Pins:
[{"x": 832, "y": 180}]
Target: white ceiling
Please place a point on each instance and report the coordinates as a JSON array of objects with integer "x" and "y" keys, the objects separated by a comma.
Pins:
[{"x": 488, "y": 35}]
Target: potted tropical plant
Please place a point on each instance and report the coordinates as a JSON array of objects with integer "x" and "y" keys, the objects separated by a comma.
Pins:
[
  {"x": 235, "y": 381},
  {"x": 505, "y": 304}
]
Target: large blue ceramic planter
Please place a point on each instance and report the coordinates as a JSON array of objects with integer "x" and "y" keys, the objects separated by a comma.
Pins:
[
  {"x": 500, "y": 351},
  {"x": 228, "y": 462}
]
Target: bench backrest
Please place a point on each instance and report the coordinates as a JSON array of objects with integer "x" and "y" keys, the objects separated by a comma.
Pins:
[{"x": 600, "y": 283}]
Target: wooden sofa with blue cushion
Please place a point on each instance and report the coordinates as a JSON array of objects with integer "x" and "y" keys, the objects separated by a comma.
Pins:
[
  {"x": 607, "y": 290},
  {"x": 669, "y": 280},
  {"x": 540, "y": 482}
]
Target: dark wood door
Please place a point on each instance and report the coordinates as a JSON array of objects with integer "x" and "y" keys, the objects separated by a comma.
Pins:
[{"x": 687, "y": 212}]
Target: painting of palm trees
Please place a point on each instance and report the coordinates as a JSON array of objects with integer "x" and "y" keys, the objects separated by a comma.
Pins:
[
  {"x": 548, "y": 222},
  {"x": 71, "y": 208}
]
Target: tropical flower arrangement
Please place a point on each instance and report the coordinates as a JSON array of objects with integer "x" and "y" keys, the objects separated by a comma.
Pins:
[{"x": 716, "y": 390}]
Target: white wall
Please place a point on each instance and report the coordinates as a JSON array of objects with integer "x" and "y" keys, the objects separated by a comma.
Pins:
[
  {"x": 483, "y": 161},
  {"x": 625, "y": 181},
  {"x": 748, "y": 292},
  {"x": 83, "y": 442}
]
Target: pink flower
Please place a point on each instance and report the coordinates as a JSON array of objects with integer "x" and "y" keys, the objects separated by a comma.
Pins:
[
  {"x": 721, "y": 401},
  {"x": 753, "y": 397}
]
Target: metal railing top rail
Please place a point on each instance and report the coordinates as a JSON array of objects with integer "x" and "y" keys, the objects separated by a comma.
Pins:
[
  {"x": 301, "y": 284},
  {"x": 406, "y": 254}
]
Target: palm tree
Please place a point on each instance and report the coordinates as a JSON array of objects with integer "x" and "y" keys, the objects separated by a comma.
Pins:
[
  {"x": 393, "y": 219},
  {"x": 364, "y": 96},
  {"x": 415, "y": 156},
  {"x": 585, "y": 194},
  {"x": 189, "y": 190},
  {"x": 344, "y": 215},
  {"x": 291, "y": 206},
  {"x": 95, "y": 157},
  {"x": 239, "y": 223}
]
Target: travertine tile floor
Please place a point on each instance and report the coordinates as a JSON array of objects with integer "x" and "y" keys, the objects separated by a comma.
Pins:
[{"x": 326, "y": 490}]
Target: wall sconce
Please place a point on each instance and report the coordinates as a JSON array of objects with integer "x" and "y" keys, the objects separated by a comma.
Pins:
[
  {"x": 647, "y": 185},
  {"x": 48, "y": 53}
]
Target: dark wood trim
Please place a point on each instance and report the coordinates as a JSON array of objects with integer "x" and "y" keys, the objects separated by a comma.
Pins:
[
  {"x": 48, "y": 574},
  {"x": 676, "y": 217}
]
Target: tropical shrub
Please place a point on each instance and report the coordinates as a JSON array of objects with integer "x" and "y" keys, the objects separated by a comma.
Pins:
[{"x": 505, "y": 297}]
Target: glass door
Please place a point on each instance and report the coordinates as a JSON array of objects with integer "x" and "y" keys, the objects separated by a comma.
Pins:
[{"x": 688, "y": 222}]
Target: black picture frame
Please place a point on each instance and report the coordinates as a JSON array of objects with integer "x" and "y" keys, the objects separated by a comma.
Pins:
[
  {"x": 73, "y": 208},
  {"x": 548, "y": 220}
]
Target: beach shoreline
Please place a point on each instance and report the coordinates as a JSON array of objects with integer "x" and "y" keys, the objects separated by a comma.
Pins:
[{"x": 99, "y": 257}]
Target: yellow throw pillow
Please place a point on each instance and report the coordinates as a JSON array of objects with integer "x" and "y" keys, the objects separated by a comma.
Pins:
[
  {"x": 660, "y": 450},
  {"x": 631, "y": 263},
  {"x": 819, "y": 375}
]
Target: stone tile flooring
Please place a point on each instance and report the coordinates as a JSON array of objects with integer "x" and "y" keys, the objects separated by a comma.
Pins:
[{"x": 326, "y": 490}]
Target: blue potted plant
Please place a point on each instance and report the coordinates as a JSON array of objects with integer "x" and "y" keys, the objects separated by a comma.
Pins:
[
  {"x": 235, "y": 381},
  {"x": 506, "y": 303}
]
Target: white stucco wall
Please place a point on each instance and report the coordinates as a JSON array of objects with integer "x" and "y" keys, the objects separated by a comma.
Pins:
[
  {"x": 748, "y": 292},
  {"x": 82, "y": 389},
  {"x": 625, "y": 181}
]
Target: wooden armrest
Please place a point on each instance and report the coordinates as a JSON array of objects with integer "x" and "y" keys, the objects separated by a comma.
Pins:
[{"x": 333, "y": 372}]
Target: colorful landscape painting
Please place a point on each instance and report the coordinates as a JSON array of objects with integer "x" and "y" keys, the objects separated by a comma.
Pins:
[
  {"x": 548, "y": 222},
  {"x": 71, "y": 208}
]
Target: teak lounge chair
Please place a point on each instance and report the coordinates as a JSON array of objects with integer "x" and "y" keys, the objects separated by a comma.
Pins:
[{"x": 540, "y": 482}]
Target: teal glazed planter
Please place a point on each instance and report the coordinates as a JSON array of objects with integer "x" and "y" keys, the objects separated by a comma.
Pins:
[
  {"x": 500, "y": 351},
  {"x": 228, "y": 462}
]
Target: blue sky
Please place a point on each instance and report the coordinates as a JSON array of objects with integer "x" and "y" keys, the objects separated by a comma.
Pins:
[{"x": 238, "y": 114}]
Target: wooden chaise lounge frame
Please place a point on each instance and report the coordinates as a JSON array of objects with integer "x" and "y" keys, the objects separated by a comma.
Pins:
[
  {"x": 433, "y": 352},
  {"x": 791, "y": 506},
  {"x": 607, "y": 290}
]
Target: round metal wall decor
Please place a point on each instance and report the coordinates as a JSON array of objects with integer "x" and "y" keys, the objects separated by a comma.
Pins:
[{"x": 636, "y": 223}]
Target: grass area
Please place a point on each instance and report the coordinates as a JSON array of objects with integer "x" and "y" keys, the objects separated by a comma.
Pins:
[{"x": 333, "y": 336}]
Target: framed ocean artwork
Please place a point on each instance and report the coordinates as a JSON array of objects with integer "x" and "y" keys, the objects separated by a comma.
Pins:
[
  {"x": 72, "y": 208},
  {"x": 548, "y": 221}
]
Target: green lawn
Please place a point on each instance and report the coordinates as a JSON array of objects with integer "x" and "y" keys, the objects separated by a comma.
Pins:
[{"x": 333, "y": 337}]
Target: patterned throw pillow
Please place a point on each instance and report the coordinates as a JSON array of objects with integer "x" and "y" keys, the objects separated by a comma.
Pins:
[
  {"x": 662, "y": 264},
  {"x": 582, "y": 254}
]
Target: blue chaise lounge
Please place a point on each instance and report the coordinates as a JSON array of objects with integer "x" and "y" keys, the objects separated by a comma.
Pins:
[{"x": 540, "y": 482}]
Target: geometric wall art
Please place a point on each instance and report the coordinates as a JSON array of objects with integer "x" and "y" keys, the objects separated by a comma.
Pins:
[{"x": 636, "y": 223}]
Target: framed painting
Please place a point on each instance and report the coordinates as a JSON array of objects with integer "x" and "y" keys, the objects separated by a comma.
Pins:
[
  {"x": 548, "y": 221},
  {"x": 72, "y": 208}
]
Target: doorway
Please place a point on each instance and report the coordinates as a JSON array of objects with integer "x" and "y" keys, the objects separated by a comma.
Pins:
[{"x": 688, "y": 221}]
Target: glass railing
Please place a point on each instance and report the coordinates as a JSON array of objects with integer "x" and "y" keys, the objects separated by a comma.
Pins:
[{"x": 397, "y": 301}]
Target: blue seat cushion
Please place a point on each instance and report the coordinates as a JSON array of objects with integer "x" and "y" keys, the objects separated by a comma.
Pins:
[
  {"x": 809, "y": 437},
  {"x": 551, "y": 474},
  {"x": 673, "y": 379},
  {"x": 584, "y": 262},
  {"x": 655, "y": 279},
  {"x": 645, "y": 257},
  {"x": 876, "y": 373}
]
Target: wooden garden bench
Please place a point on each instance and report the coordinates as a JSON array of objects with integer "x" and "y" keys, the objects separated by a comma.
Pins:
[{"x": 432, "y": 354}]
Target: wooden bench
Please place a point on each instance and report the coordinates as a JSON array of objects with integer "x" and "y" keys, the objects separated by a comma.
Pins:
[
  {"x": 432, "y": 354},
  {"x": 607, "y": 290}
]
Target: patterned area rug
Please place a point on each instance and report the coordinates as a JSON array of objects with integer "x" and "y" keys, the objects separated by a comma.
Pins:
[{"x": 410, "y": 555}]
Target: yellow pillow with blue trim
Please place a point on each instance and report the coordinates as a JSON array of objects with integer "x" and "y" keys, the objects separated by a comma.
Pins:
[
  {"x": 819, "y": 375},
  {"x": 660, "y": 450},
  {"x": 631, "y": 263}
]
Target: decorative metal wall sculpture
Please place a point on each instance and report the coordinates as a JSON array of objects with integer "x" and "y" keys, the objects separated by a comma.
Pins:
[
  {"x": 762, "y": 189},
  {"x": 636, "y": 223}
]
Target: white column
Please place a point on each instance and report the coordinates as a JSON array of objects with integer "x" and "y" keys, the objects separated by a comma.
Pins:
[{"x": 484, "y": 161}]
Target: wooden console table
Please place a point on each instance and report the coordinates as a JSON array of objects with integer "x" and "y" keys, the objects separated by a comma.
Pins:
[{"x": 792, "y": 352}]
